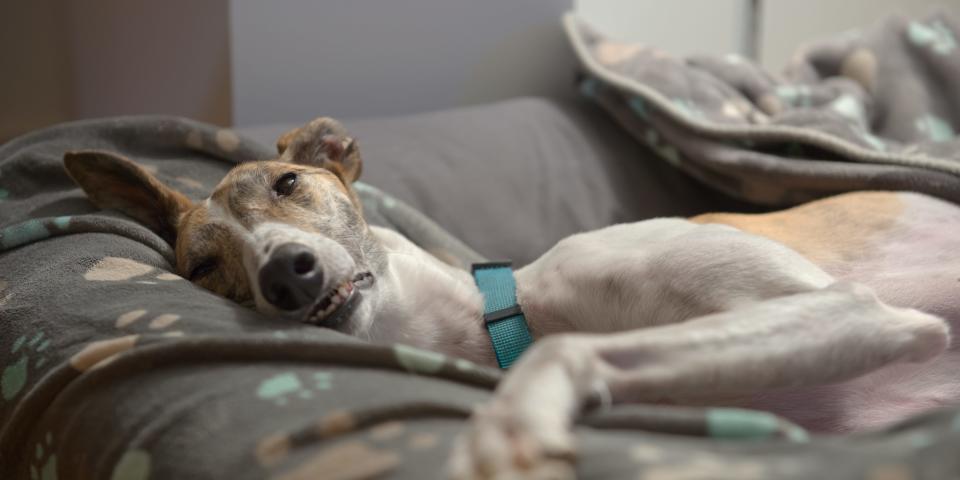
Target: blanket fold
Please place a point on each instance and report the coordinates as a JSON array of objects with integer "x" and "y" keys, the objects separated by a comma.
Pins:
[{"x": 872, "y": 109}]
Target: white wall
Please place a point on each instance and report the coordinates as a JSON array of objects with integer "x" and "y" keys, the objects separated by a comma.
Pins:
[
  {"x": 681, "y": 27},
  {"x": 788, "y": 23},
  {"x": 685, "y": 27},
  {"x": 293, "y": 60}
]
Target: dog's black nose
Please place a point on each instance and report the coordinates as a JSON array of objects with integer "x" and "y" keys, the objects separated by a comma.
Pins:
[{"x": 291, "y": 279}]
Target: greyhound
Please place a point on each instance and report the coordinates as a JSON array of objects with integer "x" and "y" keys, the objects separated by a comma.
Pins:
[{"x": 835, "y": 314}]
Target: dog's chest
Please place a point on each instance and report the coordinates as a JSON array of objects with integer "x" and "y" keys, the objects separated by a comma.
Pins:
[{"x": 433, "y": 306}]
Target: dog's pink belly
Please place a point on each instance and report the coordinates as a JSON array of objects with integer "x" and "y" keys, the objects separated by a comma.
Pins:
[
  {"x": 898, "y": 391},
  {"x": 918, "y": 266},
  {"x": 869, "y": 402}
]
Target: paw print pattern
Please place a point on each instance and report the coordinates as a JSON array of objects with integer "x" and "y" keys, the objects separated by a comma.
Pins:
[
  {"x": 282, "y": 388},
  {"x": 133, "y": 465},
  {"x": 936, "y": 35},
  {"x": 116, "y": 269},
  {"x": 15, "y": 376},
  {"x": 156, "y": 323},
  {"x": 227, "y": 141},
  {"x": 43, "y": 465},
  {"x": 934, "y": 128},
  {"x": 4, "y": 295}
]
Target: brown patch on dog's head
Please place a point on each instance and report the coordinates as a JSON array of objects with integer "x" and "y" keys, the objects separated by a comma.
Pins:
[
  {"x": 831, "y": 232},
  {"x": 247, "y": 193},
  {"x": 114, "y": 182},
  {"x": 208, "y": 237},
  {"x": 210, "y": 255}
]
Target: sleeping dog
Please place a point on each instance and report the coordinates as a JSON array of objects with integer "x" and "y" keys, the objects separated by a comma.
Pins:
[{"x": 830, "y": 314}]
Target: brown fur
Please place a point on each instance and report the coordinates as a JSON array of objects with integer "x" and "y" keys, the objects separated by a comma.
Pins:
[
  {"x": 114, "y": 182},
  {"x": 829, "y": 232},
  {"x": 313, "y": 152},
  {"x": 324, "y": 143}
]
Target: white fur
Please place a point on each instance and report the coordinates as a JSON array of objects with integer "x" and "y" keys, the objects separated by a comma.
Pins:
[
  {"x": 714, "y": 315},
  {"x": 426, "y": 303},
  {"x": 663, "y": 309}
]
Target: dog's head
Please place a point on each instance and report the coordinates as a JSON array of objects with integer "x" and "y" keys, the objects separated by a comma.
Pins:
[{"x": 287, "y": 235}]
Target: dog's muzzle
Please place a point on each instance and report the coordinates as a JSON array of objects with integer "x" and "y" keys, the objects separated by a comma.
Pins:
[{"x": 291, "y": 279}]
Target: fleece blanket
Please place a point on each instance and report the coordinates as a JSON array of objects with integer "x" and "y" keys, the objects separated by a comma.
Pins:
[
  {"x": 114, "y": 367},
  {"x": 876, "y": 108}
]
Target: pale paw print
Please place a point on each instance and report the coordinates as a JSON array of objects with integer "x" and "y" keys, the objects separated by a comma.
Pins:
[
  {"x": 161, "y": 322},
  {"x": 283, "y": 388},
  {"x": 43, "y": 465},
  {"x": 15, "y": 376},
  {"x": 116, "y": 269}
]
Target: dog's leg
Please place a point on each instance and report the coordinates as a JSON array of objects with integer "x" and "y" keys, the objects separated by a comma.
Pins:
[{"x": 810, "y": 338}]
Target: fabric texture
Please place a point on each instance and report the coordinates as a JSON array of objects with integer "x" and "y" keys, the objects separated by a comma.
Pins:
[
  {"x": 870, "y": 109},
  {"x": 114, "y": 367}
]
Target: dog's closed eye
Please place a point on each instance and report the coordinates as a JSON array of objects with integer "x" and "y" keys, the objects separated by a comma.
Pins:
[
  {"x": 285, "y": 184},
  {"x": 203, "y": 269}
]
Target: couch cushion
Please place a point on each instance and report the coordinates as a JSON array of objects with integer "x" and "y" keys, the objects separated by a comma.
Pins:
[{"x": 512, "y": 178}]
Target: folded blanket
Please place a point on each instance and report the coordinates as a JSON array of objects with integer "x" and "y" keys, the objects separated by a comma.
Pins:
[{"x": 870, "y": 109}]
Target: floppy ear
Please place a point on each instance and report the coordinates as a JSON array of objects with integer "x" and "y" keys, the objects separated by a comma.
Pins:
[
  {"x": 322, "y": 143},
  {"x": 112, "y": 181}
]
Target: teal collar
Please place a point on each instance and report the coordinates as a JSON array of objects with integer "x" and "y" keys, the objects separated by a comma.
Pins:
[{"x": 501, "y": 314}]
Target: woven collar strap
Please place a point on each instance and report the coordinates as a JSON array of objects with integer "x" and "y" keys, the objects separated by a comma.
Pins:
[{"x": 501, "y": 313}]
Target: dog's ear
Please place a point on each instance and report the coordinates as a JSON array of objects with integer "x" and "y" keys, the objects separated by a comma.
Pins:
[
  {"x": 322, "y": 143},
  {"x": 112, "y": 181}
]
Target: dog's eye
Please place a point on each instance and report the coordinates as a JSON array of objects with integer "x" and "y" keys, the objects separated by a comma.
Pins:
[
  {"x": 285, "y": 184},
  {"x": 203, "y": 269}
]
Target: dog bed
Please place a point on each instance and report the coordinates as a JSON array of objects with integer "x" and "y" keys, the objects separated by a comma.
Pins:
[{"x": 112, "y": 366}]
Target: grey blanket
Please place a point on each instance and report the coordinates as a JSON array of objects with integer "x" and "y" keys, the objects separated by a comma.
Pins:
[
  {"x": 112, "y": 366},
  {"x": 876, "y": 108}
]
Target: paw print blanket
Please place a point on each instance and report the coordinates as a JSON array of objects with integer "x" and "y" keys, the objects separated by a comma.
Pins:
[
  {"x": 871, "y": 109},
  {"x": 114, "y": 367}
]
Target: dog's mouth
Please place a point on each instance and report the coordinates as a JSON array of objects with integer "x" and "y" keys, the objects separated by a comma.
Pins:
[{"x": 336, "y": 306}]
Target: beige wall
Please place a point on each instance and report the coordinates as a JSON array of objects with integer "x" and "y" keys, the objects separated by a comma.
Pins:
[
  {"x": 34, "y": 66},
  {"x": 72, "y": 59}
]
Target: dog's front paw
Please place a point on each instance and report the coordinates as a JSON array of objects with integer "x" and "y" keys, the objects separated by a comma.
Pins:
[{"x": 502, "y": 444}]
